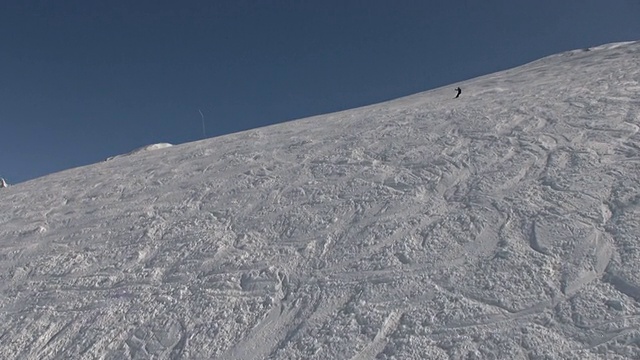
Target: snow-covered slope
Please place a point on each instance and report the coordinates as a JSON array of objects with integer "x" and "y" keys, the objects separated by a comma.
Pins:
[{"x": 501, "y": 225}]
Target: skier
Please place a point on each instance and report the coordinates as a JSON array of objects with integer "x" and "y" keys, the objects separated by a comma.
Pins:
[
  {"x": 459, "y": 92},
  {"x": 3, "y": 184}
]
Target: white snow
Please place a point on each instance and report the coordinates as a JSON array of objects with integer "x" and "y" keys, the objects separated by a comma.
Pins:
[
  {"x": 143, "y": 149},
  {"x": 501, "y": 225}
]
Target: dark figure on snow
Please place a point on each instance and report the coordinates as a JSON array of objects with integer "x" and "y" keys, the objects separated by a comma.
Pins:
[{"x": 459, "y": 92}]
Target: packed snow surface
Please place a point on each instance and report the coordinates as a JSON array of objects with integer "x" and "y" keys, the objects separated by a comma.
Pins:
[{"x": 501, "y": 225}]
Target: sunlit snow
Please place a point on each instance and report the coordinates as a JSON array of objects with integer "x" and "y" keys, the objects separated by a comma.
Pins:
[
  {"x": 143, "y": 149},
  {"x": 501, "y": 225}
]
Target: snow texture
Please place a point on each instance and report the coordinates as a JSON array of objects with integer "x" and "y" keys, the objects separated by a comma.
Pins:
[{"x": 501, "y": 225}]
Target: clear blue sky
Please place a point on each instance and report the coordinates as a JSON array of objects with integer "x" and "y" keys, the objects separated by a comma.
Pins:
[{"x": 88, "y": 79}]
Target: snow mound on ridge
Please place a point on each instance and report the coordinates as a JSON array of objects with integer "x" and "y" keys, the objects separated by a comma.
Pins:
[{"x": 143, "y": 149}]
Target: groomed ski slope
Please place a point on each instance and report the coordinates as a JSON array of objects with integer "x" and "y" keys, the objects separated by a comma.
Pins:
[{"x": 501, "y": 225}]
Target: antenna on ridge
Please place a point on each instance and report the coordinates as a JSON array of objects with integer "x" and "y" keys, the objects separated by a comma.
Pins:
[{"x": 204, "y": 132}]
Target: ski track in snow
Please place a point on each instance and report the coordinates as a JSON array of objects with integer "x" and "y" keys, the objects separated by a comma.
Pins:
[{"x": 500, "y": 225}]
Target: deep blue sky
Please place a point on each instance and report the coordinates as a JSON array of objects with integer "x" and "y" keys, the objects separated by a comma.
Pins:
[{"x": 88, "y": 79}]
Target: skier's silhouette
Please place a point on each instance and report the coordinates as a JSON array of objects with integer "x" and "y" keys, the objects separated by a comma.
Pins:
[{"x": 459, "y": 92}]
